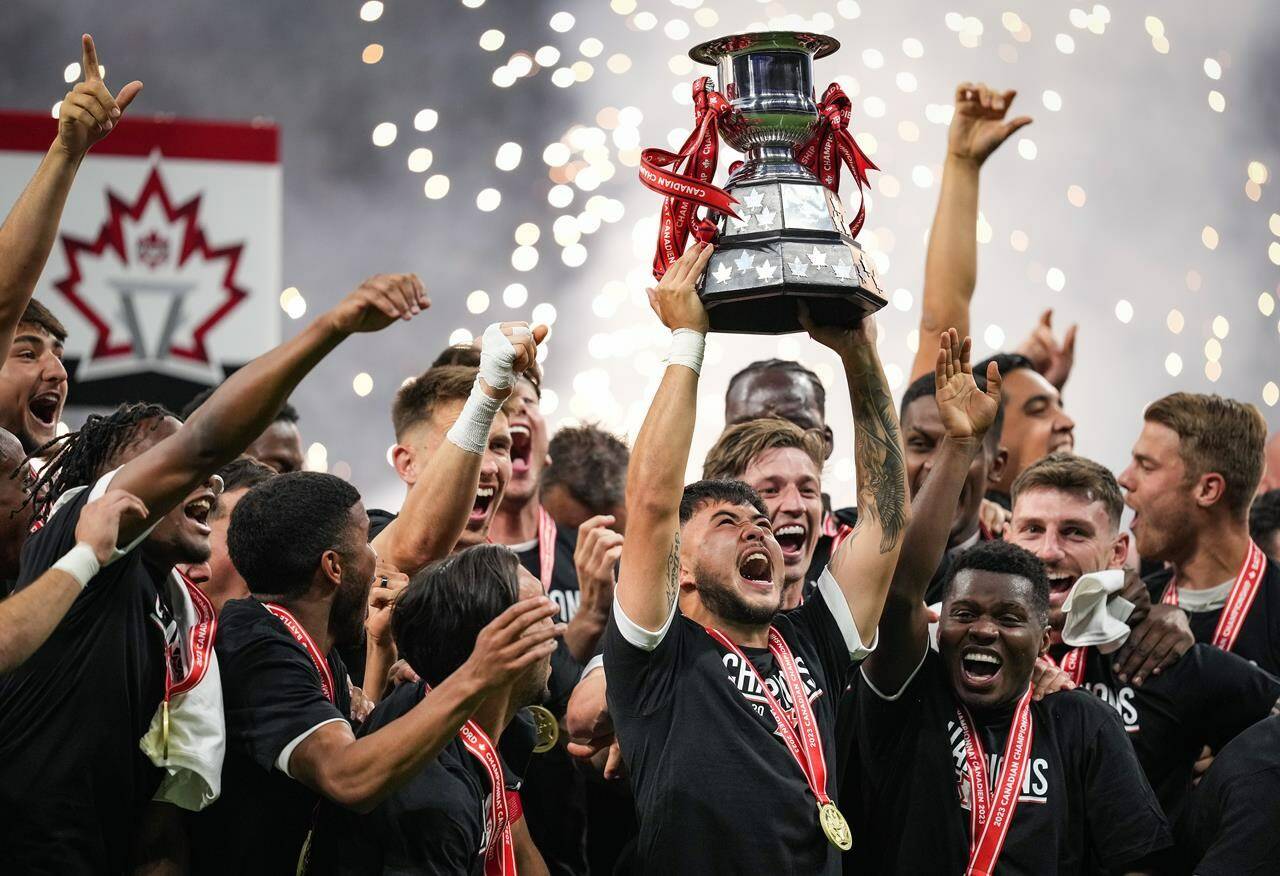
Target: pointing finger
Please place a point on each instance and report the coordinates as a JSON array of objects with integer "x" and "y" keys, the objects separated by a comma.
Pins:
[{"x": 89, "y": 59}]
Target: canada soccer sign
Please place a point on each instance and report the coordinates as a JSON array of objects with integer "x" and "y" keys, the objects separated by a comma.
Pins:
[{"x": 167, "y": 264}]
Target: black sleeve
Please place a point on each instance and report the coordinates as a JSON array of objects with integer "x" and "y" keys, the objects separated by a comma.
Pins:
[
  {"x": 1239, "y": 694},
  {"x": 826, "y": 621},
  {"x": 1125, "y": 824},
  {"x": 271, "y": 695},
  {"x": 51, "y": 541},
  {"x": 641, "y": 681},
  {"x": 882, "y": 718},
  {"x": 1234, "y": 824}
]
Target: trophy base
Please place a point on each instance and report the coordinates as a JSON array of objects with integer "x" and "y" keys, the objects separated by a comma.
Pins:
[{"x": 789, "y": 244}]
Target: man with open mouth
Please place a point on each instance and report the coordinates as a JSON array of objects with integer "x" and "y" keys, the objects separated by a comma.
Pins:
[
  {"x": 1195, "y": 468},
  {"x": 952, "y": 738},
  {"x": 112, "y": 662},
  {"x": 1066, "y": 510},
  {"x": 33, "y": 383},
  {"x": 783, "y": 464},
  {"x": 718, "y": 696}
]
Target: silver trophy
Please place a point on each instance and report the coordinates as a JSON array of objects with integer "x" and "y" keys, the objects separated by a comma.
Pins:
[{"x": 791, "y": 239}]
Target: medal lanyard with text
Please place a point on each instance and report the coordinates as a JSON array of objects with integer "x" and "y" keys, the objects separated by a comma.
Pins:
[
  {"x": 1073, "y": 664},
  {"x": 326, "y": 687},
  {"x": 200, "y": 644},
  {"x": 546, "y": 548},
  {"x": 500, "y": 856},
  {"x": 1239, "y": 601},
  {"x": 989, "y": 819},
  {"x": 309, "y": 645},
  {"x": 806, "y": 745}
]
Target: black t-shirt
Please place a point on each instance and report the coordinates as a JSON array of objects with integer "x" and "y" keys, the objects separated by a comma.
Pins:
[
  {"x": 1085, "y": 804},
  {"x": 434, "y": 824},
  {"x": 1206, "y": 698},
  {"x": 554, "y": 792},
  {"x": 716, "y": 789},
  {"x": 1232, "y": 815},
  {"x": 841, "y": 520},
  {"x": 73, "y": 781},
  {"x": 271, "y": 693},
  {"x": 1259, "y": 639}
]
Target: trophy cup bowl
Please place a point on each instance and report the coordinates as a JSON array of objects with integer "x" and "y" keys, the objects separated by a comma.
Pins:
[{"x": 791, "y": 242}]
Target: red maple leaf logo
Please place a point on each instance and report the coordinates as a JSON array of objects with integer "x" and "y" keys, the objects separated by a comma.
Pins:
[{"x": 217, "y": 293}]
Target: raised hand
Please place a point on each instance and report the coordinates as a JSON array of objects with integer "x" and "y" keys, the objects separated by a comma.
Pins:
[
  {"x": 1050, "y": 358},
  {"x": 89, "y": 111},
  {"x": 675, "y": 298},
  {"x": 508, "y": 349},
  {"x": 594, "y": 559},
  {"x": 388, "y": 581},
  {"x": 978, "y": 126},
  {"x": 966, "y": 411},
  {"x": 514, "y": 640},
  {"x": 841, "y": 338},
  {"x": 380, "y": 301},
  {"x": 99, "y": 524}
]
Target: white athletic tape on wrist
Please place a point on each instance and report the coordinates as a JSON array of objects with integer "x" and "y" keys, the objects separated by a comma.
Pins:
[
  {"x": 80, "y": 563},
  {"x": 686, "y": 349},
  {"x": 498, "y": 356},
  {"x": 471, "y": 430}
]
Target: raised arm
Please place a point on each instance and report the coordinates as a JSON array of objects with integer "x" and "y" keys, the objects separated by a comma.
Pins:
[
  {"x": 966, "y": 414},
  {"x": 359, "y": 773},
  {"x": 435, "y": 510},
  {"x": 951, "y": 264},
  {"x": 649, "y": 576},
  {"x": 29, "y": 616},
  {"x": 248, "y": 400},
  {"x": 864, "y": 563},
  {"x": 88, "y": 113}
]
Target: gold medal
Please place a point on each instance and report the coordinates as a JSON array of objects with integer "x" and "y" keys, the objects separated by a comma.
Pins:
[
  {"x": 546, "y": 727},
  {"x": 835, "y": 827},
  {"x": 164, "y": 729}
]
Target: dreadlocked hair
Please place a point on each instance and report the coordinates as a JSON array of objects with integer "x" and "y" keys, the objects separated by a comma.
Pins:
[{"x": 79, "y": 458}]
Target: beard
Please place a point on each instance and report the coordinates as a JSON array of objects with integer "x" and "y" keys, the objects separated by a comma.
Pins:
[
  {"x": 725, "y": 602},
  {"x": 346, "y": 617}
]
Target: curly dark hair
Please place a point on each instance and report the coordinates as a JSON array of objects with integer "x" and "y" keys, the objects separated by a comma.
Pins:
[
  {"x": 83, "y": 456},
  {"x": 1005, "y": 558},
  {"x": 281, "y": 528}
]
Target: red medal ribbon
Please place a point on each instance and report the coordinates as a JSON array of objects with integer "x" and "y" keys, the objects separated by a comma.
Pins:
[
  {"x": 505, "y": 808},
  {"x": 546, "y": 547},
  {"x": 687, "y": 184},
  {"x": 806, "y": 745},
  {"x": 832, "y": 145},
  {"x": 1073, "y": 664},
  {"x": 1239, "y": 601},
  {"x": 989, "y": 819},
  {"x": 309, "y": 645},
  {"x": 199, "y": 640}
]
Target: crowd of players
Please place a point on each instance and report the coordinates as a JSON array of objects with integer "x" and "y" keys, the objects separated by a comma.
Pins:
[{"x": 557, "y": 657}]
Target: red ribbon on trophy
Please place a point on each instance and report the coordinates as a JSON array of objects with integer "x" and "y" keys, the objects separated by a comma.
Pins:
[
  {"x": 687, "y": 182},
  {"x": 832, "y": 144}
]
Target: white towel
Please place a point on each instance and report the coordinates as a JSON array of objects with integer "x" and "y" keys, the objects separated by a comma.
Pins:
[
  {"x": 197, "y": 726},
  {"x": 1092, "y": 616}
]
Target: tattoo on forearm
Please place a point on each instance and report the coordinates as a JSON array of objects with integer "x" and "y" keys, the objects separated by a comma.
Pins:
[
  {"x": 878, "y": 460},
  {"x": 673, "y": 570}
]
